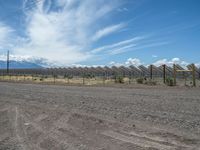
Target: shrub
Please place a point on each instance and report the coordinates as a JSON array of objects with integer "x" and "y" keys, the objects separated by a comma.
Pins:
[
  {"x": 150, "y": 82},
  {"x": 169, "y": 82},
  {"x": 55, "y": 75},
  {"x": 88, "y": 76},
  {"x": 68, "y": 76},
  {"x": 140, "y": 80},
  {"x": 119, "y": 79}
]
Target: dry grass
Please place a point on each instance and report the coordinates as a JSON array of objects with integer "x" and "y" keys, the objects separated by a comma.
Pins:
[{"x": 85, "y": 81}]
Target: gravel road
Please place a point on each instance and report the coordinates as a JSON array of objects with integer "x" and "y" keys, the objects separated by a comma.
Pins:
[{"x": 50, "y": 117}]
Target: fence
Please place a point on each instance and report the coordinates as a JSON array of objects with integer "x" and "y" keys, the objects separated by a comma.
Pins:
[{"x": 106, "y": 75}]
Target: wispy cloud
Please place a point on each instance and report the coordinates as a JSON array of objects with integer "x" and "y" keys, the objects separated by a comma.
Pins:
[
  {"x": 62, "y": 31},
  {"x": 68, "y": 32},
  {"x": 124, "y": 9},
  {"x": 108, "y": 30},
  {"x": 118, "y": 44},
  {"x": 121, "y": 49},
  {"x": 135, "y": 43},
  {"x": 175, "y": 29},
  {"x": 154, "y": 56},
  {"x": 5, "y": 35},
  {"x": 136, "y": 46}
]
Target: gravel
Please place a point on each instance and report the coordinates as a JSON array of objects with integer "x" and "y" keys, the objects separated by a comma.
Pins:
[{"x": 34, "y": 116}]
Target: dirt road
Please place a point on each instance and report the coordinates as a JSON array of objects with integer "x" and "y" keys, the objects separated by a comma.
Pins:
[{"x": 47, "y": 117}]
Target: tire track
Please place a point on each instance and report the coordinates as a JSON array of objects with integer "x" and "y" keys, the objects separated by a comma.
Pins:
[{"x": 17, "y": 130}]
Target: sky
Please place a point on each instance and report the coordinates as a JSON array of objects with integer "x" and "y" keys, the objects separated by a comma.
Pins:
[{"x": 101, "y": 32}]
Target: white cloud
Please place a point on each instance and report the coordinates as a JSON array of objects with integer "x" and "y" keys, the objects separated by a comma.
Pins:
[
  {"x": 121, "y": 49},
  {"x": 161, "y": 62},
  {"x": 80, "y": 65},
  {"x": 128, "y": 62},
  {"x": 26, "y": 58},
  {"x": 65, "y": 33},
  {"x": 136, "y": 43},
  {"x": 113, "y": 63},
  {"x": 171, "y": 62},
  {"x": 136, "y": 46},
  {"x": 154, "y": 56},
  {"x": 107, "y": 30},
  {"x": 134, "y": 62},
  {"x": 118, "y": 44},
  {"x": 15, "y": 57},
  {"x": 138, "y": 62},
  {"x": 5, "y": 35},
  {"x": 198, "y": 65},
  {"x": 122, "y": 9}
]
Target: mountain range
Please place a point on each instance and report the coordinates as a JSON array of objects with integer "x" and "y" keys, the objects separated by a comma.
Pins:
[{"x": 19, "y": 64}]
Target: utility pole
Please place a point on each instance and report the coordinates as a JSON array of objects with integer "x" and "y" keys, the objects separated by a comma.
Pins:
[{"x": 8, "y": 62}]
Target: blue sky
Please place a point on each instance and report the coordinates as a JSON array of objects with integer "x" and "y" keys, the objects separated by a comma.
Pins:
[{"x": 101, "y": 32}]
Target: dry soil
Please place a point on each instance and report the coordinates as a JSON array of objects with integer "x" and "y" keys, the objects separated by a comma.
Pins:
[{"x": 50, "y": 117}]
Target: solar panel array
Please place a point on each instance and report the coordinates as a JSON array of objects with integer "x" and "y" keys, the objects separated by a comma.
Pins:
[{"x": 131, "y": 71}]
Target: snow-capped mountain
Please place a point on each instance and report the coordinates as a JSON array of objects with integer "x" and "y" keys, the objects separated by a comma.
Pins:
[
  {"x": 19, "y": 64},
  {"x": 23, "y": 62}
]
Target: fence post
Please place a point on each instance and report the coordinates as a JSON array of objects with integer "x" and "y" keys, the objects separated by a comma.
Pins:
[
  {"x": 54, "y": 79},
  {"x": 130, "y": 77},
  {"x": 164, "y": 74},
  {"x": 151, "y": 72},
  {"x": 174, "y": 67},
  {"x": 83, "y": 78},
  {"x": 193, "y": 75},
  {"x": 67, "y": 80},
  {"x": 104, "y": 78}
]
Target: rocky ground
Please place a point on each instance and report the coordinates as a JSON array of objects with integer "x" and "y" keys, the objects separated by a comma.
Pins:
[{"x": 50, "y": 117}]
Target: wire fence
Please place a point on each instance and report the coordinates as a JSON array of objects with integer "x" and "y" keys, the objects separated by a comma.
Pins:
[{"x": 175, "y": 75}]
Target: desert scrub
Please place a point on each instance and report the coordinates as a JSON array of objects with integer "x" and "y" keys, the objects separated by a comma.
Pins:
[
  {"x": 140, "y": 80},
  {"x": 67, "y": 76},
  {"x": 119, "y": 79},
  {"x": 89, "y": 76},
  {"x": 169, "y": 82},
  {"x": 151, "y": 82}
]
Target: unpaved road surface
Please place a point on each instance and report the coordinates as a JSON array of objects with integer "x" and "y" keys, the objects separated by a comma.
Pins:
[{"x": 46, "y": 117}]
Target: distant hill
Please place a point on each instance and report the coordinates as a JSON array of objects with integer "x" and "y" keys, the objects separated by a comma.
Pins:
[{"x": 19, "y": 64}]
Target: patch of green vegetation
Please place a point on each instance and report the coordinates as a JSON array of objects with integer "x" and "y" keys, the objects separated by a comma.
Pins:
[
  {"x": 119, "y": 79},
  {"x": 151, "y": 82},
  {"x": 140, "y": 80},
  {"x": 170, "y": 82}
]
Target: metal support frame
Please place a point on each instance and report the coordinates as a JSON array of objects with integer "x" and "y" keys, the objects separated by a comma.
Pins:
[{"x": 192, "y": 71}]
